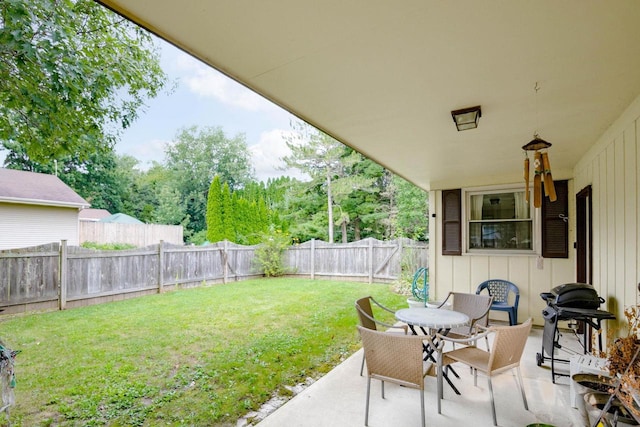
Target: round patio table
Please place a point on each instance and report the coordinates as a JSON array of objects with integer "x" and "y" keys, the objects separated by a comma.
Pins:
[
  {"x": 433, "y": 321},
  {"x": 432, "y": 318}
]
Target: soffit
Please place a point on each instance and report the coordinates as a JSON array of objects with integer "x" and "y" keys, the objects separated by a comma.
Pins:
[{"x": 383, "y": 76}]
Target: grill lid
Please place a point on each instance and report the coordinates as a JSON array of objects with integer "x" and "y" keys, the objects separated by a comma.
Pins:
[{"x": 576, "y": 295}]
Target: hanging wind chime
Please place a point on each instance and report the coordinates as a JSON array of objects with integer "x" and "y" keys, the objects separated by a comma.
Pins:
[
  {"x": 541, "y": 171},
  {"x": 542, "y": 168}
]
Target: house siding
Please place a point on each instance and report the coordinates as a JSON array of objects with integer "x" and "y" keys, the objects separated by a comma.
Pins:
[
  {"x": 32, "y": 225},
  {"x": 531, "y": 273},
  {"x": 611, "y": 167}
]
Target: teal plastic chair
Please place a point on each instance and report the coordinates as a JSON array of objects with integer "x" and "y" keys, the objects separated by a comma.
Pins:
[{"x": 502, "y": 292}]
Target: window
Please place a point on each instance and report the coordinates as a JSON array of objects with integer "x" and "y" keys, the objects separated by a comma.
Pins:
[{"x": 499, "y": 220}]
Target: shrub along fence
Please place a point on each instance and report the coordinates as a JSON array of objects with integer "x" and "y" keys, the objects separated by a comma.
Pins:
[{"x": 57, "y": 276}]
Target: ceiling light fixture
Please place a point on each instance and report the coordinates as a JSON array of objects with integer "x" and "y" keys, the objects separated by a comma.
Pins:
[{"x": 467, "y": 118}]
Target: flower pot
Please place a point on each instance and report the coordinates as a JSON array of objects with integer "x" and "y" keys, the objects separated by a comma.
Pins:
[
  {"x": 586, "y": 383},
  {"x": 415, "y": 303},
  {"x": 595, "y": 402},
  {"x": 436, "y": 304}
]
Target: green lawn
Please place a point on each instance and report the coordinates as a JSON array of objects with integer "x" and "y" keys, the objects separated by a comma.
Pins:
[{"x": 197, "y": 357}]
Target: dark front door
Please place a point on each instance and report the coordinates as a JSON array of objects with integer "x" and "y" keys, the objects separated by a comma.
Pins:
[{"x": 584, "y": 245}]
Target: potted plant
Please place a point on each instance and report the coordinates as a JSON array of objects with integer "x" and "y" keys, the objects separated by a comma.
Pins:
[{"x": 623, "y": 362}]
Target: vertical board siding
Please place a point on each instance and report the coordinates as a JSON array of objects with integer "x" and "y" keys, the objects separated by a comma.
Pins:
[
  {"x": 32, "y": 275},
  {"x": 630, "y": 213},
  {"x": 532, "y": 274},
  {"x": 611, "y": 168}
]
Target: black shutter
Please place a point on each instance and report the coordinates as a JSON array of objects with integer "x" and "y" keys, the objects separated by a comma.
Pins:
[
  {"x": 555, "y": 223},
  {"x": 452, "y": 222}
]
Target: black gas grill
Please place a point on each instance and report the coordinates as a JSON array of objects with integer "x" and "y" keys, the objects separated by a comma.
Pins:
[{"x": 574, "y": 302}]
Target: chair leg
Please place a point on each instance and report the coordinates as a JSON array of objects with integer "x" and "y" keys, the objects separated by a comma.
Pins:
[
  {"x": 382, "y": 389},
  {"x": 362, "y": 366},
  {"x": 439, "y": 387},
  {"x": 422, "y": 405},
  {"x": 366, "y": 410},
  {"x": 493, "y": 403},
  {"x": 440, "y": 378},
  {"x": 524, "y": 397}
]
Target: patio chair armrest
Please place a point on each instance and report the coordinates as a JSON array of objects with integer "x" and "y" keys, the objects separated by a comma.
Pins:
[
  {"x": 483, "y": 328},
  {"x": 468, "y": 340},
  {"x": 389, "y": 325},
  {"x": 382, "y": 306},
  {"x": 445, "y": 300}
]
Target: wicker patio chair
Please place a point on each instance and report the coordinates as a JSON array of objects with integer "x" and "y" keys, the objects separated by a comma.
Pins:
[
  {"x": 475, "y": 306},
  {"x": 368, "y": 320},
  {"x": 397, "y": 359},
  {"x": 506, "y": 352}
]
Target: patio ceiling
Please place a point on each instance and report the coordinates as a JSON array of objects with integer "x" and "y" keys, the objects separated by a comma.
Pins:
[{"x": 383, "y": 76}]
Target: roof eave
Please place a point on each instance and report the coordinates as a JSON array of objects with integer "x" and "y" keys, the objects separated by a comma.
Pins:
[{"x": 18, "y": 200}]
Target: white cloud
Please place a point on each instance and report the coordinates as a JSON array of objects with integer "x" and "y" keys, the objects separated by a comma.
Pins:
[
  {"x": 267, "y": 154},
  {"x": 209, "y": 83},
  {"x": 146, "y": 152}
]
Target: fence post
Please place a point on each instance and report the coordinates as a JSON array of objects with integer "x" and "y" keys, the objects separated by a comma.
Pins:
[
  {"x": 161, "y": 266},
  {"x": 370, "y": 253},
  {"x": 313, "y": 259},
  {"x": 400, "y": 249},
  {"x": 62, "y": 294},
  {"x": 225, "y": 256}
]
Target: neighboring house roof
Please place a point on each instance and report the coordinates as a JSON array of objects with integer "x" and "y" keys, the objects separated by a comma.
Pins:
[
  {"x": 93, "y": 214},
  {"x": 122, "y": 219},
  {"x": 37, "y": 189}
]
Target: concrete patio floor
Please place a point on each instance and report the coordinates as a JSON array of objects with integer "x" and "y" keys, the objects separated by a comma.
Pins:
[{"x": 338, "y": 398}]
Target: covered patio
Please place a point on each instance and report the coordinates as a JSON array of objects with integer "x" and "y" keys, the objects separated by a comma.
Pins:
[
  {"x": 384, "y": 78},
  {"x": 338, "y": 398}
]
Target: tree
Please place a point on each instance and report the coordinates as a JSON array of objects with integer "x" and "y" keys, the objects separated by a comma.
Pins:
[
  {"x": 363, "y": 204},
  {"x": 228, "y": 226},
  {"x": 196, "y": 157},
  {"x": 413, "y": 210},
  {"x": 72, "y": 75},
  {"x": 170, "y": 209},
  {"x": 146, "y": 198},
  {"x": 214, "y": 211},
  {"x": 331, "y": 163}
]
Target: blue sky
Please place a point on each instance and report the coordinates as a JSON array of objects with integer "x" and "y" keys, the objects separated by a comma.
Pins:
[{"x": 205, "y": 97}]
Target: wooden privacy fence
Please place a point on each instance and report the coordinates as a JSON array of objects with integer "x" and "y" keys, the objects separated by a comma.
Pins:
[
  {"x": 368, "y": 260},
  {"x": 134, "y": 234},
  {"x": 57, "y": 276}
]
